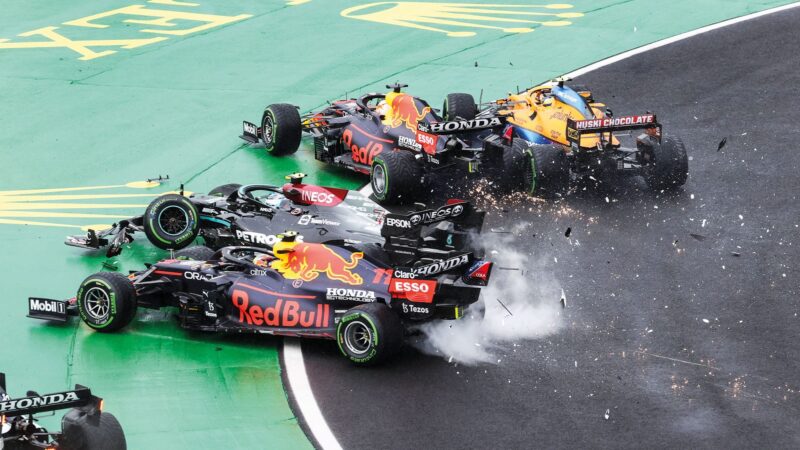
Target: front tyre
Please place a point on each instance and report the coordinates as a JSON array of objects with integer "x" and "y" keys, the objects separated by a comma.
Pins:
[
  {"x": 668, "y": 167},
  {"x": 82, "y": 433},
  {"x": 547, "y": 171},
  {"x": 106, "y": 301},
  {"x": 195, "y": 252},
  {"x": 281, "y": 129},
  {"x": 396, "y": 177},
  {"x": 459, "y": 106},
  {"x": 369, "y": 334},
  {"x": 171, "y": 222}
]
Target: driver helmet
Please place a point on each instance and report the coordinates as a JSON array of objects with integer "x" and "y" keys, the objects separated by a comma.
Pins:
[{"x": 262, "y": 260}]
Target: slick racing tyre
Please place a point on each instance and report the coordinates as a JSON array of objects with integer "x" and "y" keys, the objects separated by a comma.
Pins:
[
  {"x": 396, "y": 177},
  {"x": 80, "y": 432},
  {"x": 171, "y": 222},
  {"x": 195, "y": 252},
  {"x": 459, "y": 106},
  {"x": 669, "y": 165},
  {"x": 369, "y": 334},
  {"x": 547, "y": 172},
  {"x": 512, "y": 174},
  {"x": 225, "y": 190},
  {"x": 281, "y": 129},
  {"x": 107, "y": 301}
]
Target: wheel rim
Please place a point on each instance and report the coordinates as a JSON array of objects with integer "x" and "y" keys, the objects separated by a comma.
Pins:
[
  {"x": 266, "y": 129},
  {"x": 97, "y": 303},
  {"x": 173, "y": 220},
  {"x": 378, "y": 179},
  {"x": 357, "y": 337}
]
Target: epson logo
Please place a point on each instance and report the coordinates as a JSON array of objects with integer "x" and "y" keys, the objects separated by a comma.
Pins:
[
  {"x": 48, "y": 306},
  {"x": 462, "y": 125},
  {"x": 353, "y": 295},
  {"x": 407, "y": 142},
  {"x": 398, "y": 223},
  {"x": 35, "y": 402},
  {"x": 442, "y": 266}
]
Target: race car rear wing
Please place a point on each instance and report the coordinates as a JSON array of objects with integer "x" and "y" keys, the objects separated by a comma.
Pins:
[
  {"x": 403, "y": 233},
  {"x": 80, "y": 397},
  {"x": 460, "y": 126},
  {"x": 577, "y": 128}
]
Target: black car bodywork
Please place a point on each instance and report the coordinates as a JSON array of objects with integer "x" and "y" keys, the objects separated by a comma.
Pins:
[
  {"x": 303, "y": 288},
  {"x": 251, "y": 215},
  {"x": 363, "y": 134},
  {"x": 84, "y": 427}
]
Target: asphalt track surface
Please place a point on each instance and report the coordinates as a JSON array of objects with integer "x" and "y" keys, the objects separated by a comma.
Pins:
[{"x": 669, "y": 340}]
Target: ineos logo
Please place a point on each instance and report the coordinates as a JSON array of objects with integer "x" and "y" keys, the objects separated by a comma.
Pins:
[{"x": 415, "y": 219}]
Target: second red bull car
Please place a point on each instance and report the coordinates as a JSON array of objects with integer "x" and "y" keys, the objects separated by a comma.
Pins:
[
  {"x": 331, "y": 291},
  {"x": 398, "y": 139}
]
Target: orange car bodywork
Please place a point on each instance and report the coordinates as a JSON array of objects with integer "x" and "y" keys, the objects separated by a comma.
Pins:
[{"x": 551, "y": 114}]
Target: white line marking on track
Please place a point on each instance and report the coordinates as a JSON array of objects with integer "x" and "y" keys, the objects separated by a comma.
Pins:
[
  {"x": 293, "y": 354},
  {"x": 304, "y": 397}
]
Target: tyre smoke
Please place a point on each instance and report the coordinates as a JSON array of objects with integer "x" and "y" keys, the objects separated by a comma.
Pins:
[{"x": 520, "y": 303}]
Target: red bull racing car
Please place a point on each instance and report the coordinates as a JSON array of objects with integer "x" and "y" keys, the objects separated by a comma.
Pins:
[
  {"x": 246, "y": 215},
  {"x": 331, "y": 291},
  {"x": 398, "y": 139},
  {"x": 85, "y": 427}
]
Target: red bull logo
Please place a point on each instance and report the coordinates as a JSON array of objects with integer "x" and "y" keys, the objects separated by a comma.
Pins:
[
  {"x": 404, "y": 112},
  {"x": 284, "y": 313},
  {"x": 306, "y": 261}
]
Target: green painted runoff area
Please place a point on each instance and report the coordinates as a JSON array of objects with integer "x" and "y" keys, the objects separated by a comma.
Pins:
[{"x": 169, "y": 99}]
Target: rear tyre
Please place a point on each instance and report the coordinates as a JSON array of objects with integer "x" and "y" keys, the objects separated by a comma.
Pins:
[
  {"x": 512, "y": 174},
  {"x": 107, "y": 301},
  {"x": 171, "y": 222},
  {"x": 369, "y": 334},
  {"x": 281, "y": 129},
  {"x": 195, "y": 252},
  {"x": 669, "y": 167},
  {"x": 547, "y": 171},
  {"x": 459, "y": 106},
  {"x": 396, "y": 177},
  {"x": 225, "y": 190},
  {"x": 79, "y": 433}
]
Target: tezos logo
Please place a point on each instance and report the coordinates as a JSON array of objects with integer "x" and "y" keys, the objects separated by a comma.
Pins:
[{"x": 415, "y": 309}]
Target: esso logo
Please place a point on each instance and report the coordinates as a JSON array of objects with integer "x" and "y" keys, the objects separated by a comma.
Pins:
[
  {"x": 318, "y": 197},
  {"x": 410, "y": 286},
  {"x": 425, "y": 139}
]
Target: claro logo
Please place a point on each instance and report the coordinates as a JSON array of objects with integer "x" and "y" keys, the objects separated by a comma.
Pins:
[{"x": 284, "y": 313}]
